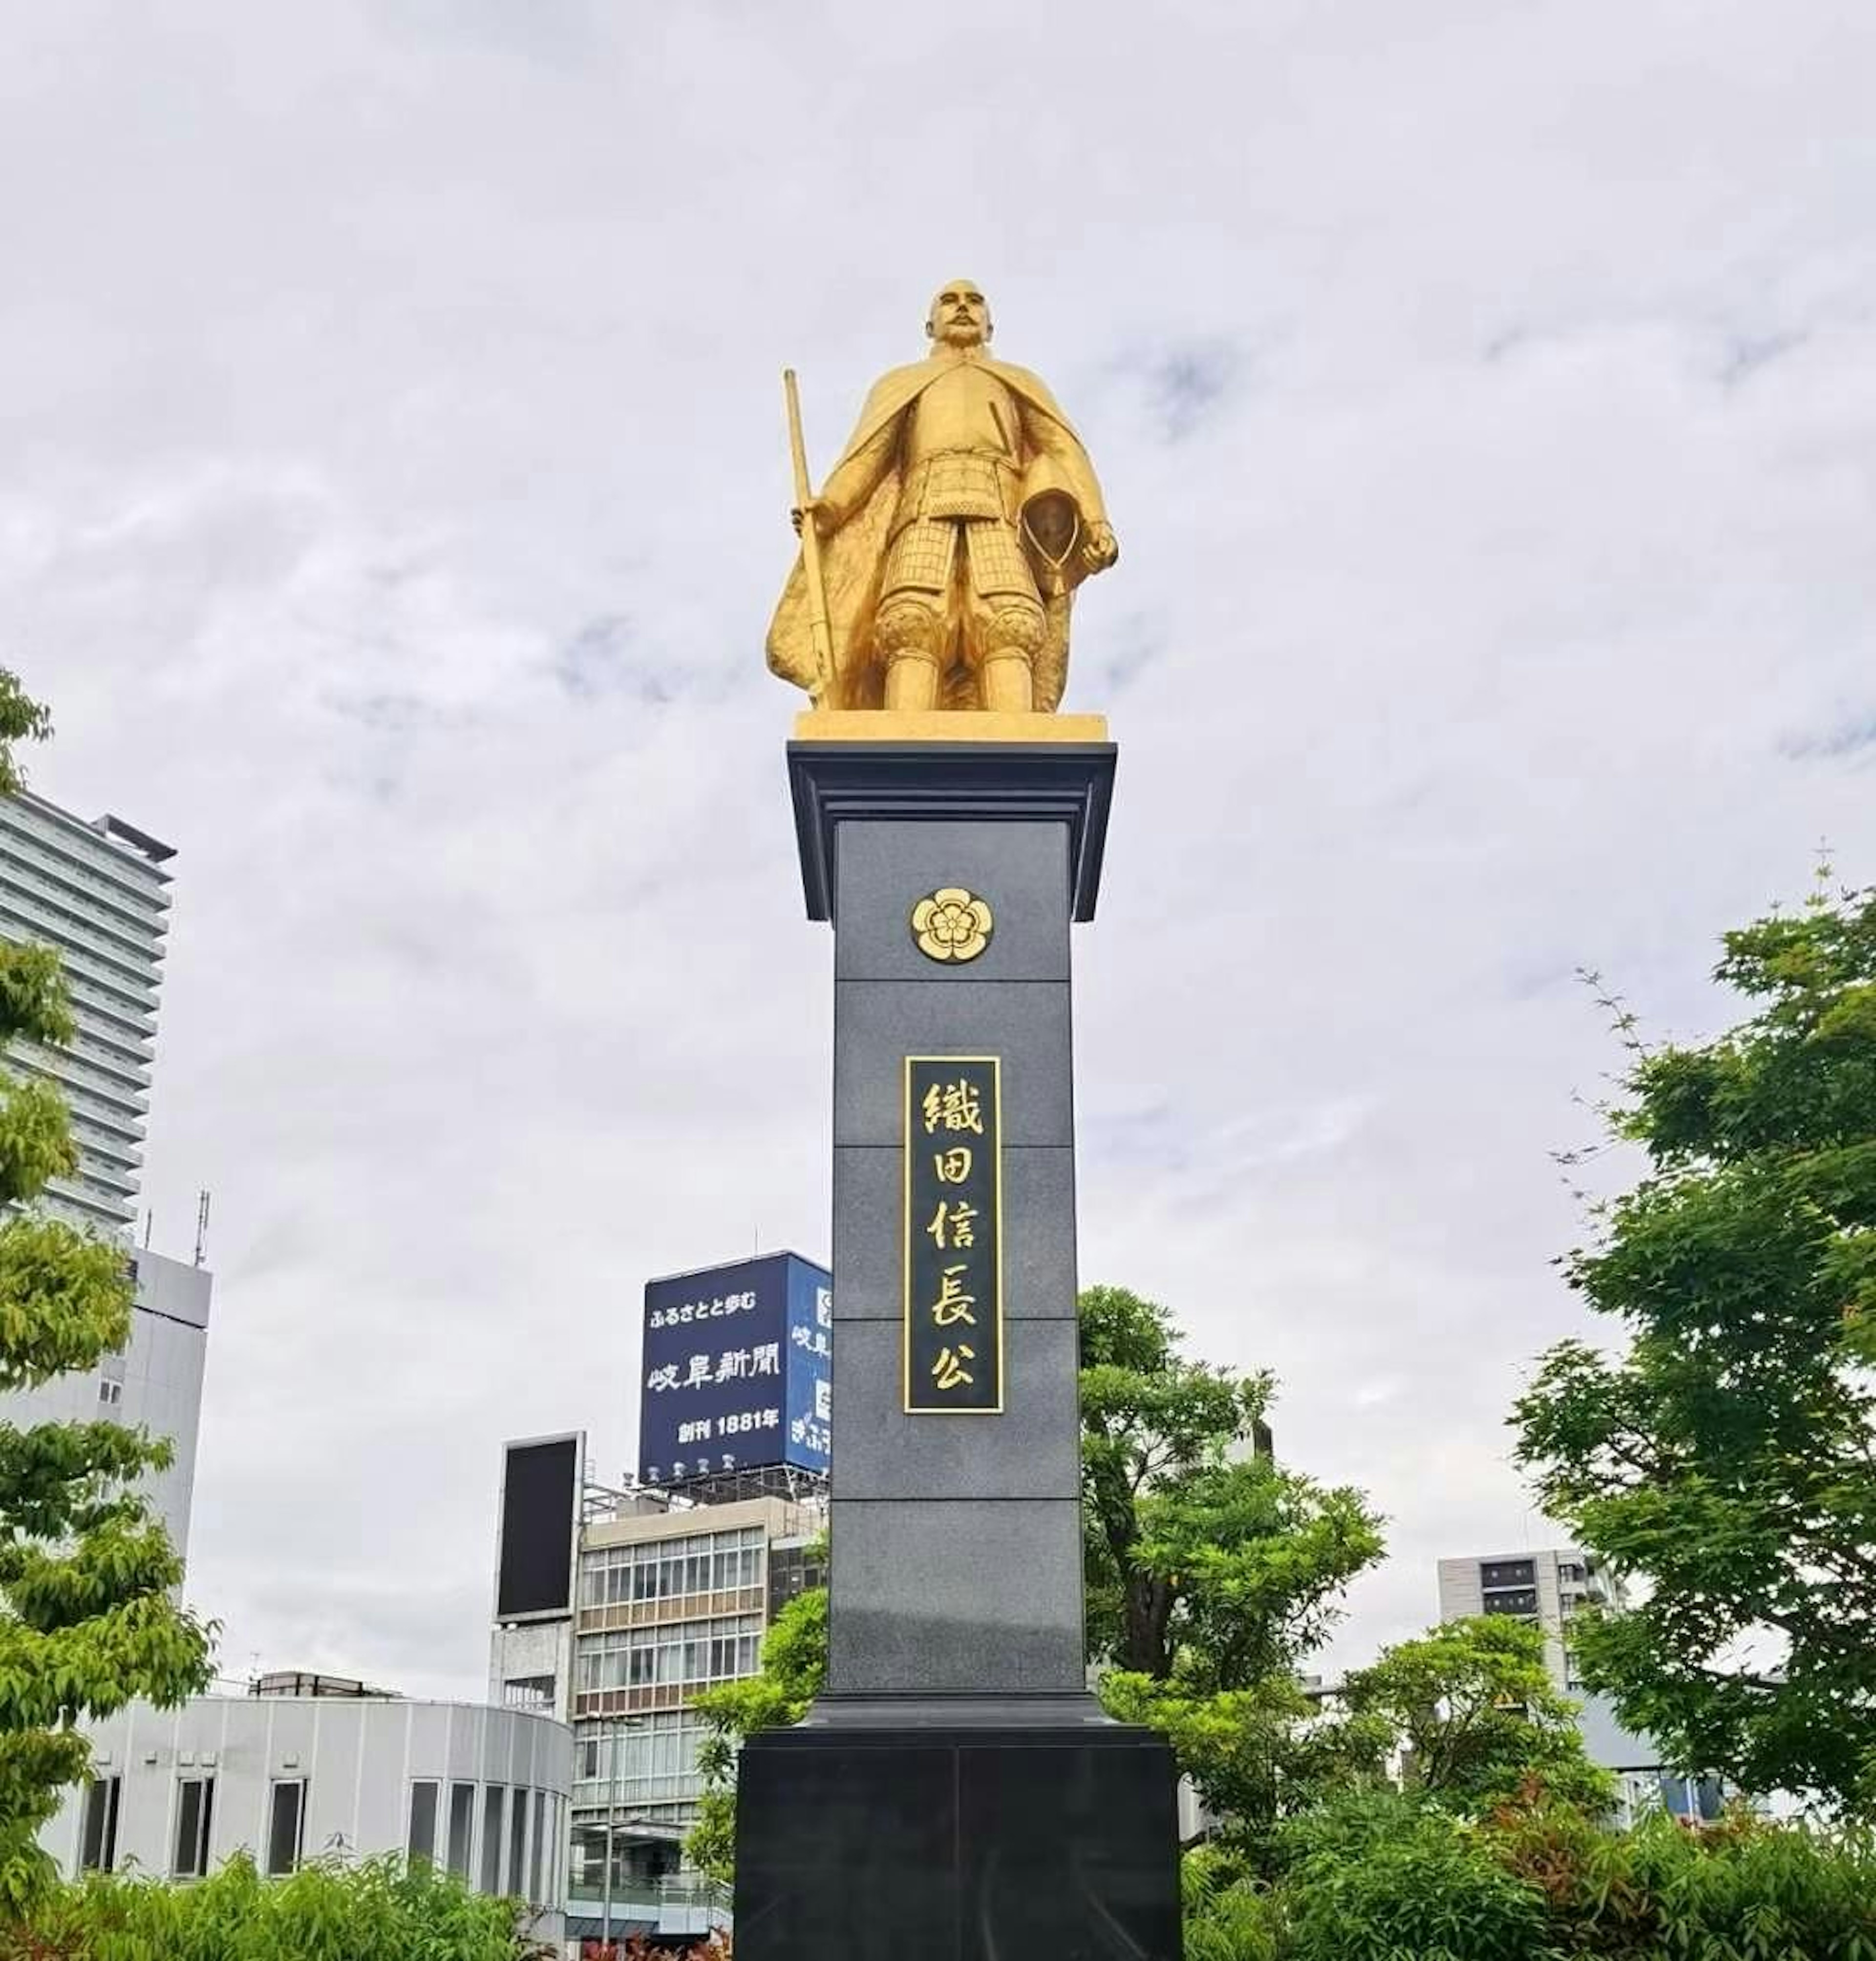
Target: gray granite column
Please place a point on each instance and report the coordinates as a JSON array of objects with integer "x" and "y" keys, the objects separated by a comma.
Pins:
[
  {"x": 956, "y": 1794},
  {"x": 957, "y": 1570}
]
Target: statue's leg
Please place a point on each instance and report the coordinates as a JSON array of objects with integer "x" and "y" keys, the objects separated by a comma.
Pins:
[
  {"x": 1010, "y": 634},
  {"x": 910, "y": 630},
  {"x": 1004, "y": 631},
  {"x": 911, "y": 634}
]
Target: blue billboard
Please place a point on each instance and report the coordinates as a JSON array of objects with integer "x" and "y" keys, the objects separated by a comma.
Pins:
[{"x": 735, "y": 1370}]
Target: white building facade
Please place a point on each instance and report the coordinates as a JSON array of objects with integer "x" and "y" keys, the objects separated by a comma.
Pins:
[
  {"x": 483, "y": 1792},
  {"x": 153, "y": 1381}
]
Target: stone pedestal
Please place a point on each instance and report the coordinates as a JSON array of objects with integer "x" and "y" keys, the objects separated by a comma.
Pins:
[
  {"x": 939, "y": 1844},
  {"x": 956, "y": 1791}
]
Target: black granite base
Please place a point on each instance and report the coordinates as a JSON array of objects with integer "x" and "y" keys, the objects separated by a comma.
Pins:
[{"x": 957, "y": 1844}]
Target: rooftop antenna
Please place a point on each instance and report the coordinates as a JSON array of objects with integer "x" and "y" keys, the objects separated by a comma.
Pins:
[{"x": 202, "y": 1227}]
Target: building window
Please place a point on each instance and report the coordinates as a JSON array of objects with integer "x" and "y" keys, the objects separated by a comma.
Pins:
[
  {"x": 679, "y": 1654},
  {"x": 286, "y": 1821},
  {"x": 528, "y": 1692},
  {"x": 1512, "y": 1600},
  {"x": 703, "y": 1563},
  {"x": 791, "y": 1572},
  {"x": 653, "y": 1758},
  {"x": 462, "y": 1819},
  {"x": 517, "y": 1842},
  {"x": 540, "y": 1834},
  {"x": 97, "y": 1847},
  {"x": 492, "y": 1797},
  {"x": 110, "y": 1394},
  {"x": 1507, "y": 1573},
  {"x": 422, "y": 1842},
  {"x": 195, "y": 1813}
]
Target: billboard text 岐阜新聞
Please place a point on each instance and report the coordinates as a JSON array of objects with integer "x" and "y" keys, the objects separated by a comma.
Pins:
[{"x": 735, "y": 1367}]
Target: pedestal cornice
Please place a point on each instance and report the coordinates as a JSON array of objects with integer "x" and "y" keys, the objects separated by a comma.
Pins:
[{"x": 874, "y": 774}]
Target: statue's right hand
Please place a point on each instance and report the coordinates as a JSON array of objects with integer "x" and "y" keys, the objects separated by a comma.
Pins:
[{"x": 816, "y": 509}]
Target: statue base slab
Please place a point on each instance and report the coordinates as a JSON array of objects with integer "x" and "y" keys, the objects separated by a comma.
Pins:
[{"x": 942, "y": 725}]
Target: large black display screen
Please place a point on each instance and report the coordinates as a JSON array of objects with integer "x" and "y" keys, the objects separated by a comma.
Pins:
[{"x": 539, "y": 1491}]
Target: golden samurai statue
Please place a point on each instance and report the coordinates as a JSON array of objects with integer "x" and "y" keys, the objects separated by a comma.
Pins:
[{"x": 948, "y": 540}]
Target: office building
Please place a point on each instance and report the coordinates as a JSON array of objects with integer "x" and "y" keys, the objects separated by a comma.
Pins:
[
  {"x": 331, "y": 1767},
  {"x": 665, "y": 1597},
  {"x": 99, "y": 894}
]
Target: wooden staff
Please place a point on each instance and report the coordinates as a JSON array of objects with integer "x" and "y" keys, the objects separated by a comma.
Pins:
[{"x": 819, "y": 630}]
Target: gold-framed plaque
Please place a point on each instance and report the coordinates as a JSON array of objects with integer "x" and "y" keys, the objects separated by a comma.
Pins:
[{"x": 953, "y": 1344}]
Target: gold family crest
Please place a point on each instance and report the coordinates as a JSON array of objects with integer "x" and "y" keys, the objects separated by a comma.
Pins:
[{"x": 952, "y": 924}]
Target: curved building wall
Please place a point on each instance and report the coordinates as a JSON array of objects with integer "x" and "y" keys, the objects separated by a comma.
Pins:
[{"x": 487, "y": 1788}]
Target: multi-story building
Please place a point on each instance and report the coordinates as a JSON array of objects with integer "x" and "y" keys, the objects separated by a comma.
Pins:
[
  {"x": 98, "y": 893},
  {"x": 1548, "y": 1588},
  {"x": 670, "y": 1597},
  {"x": 153, "y": 1381}
]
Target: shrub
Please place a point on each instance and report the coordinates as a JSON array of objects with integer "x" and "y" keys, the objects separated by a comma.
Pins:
[
  {"x": 1227, "y": 1917},
  {"x": 1382, "y": 1876},
  {"x": 1745, "y": 1890},
  {"x": 330, "y": 1910}
]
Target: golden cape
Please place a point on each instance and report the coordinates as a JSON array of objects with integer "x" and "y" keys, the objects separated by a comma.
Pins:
[{"x": 863, "y": 489}]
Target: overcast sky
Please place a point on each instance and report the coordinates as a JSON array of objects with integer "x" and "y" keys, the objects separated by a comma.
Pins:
[{"x": 393, "y": 494}]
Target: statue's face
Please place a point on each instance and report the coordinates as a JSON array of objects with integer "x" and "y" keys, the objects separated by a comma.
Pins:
[{"x": 959, "y": 317}]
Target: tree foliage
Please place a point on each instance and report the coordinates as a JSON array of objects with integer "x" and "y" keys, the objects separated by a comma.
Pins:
[
  {"x": 1256, "y": 1755},
  {"x": 1384, "y": 1876},
  {"x": 1727, "y": 1458},
  {"x": 1211, "y": 1570},
  {"x": 1374, "y": 1875},
  {"x": 88, "y": 1621},
  {"x": 22, "y": 719},
  {"x": 326, "y": 1911},
  {"x": 1744, "y": 1888},
  {"x": 1471, "y": 1706},
  {"x": 1206, "y": 1560}
]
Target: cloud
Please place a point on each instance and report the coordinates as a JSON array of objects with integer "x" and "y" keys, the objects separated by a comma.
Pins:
[
  {"x": 1848, "y": 735},
  {"x": 603, "y": 657},
  {"x": 1185, "y": 383},
  {"x": 397, "y": 493}
]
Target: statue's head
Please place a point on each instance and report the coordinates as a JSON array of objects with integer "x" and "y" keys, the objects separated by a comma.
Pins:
[{"x": 959, "y": 316}]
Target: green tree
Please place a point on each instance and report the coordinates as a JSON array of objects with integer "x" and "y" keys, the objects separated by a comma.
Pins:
[
  {"x": 1211, "y": 1570},
  {"x": 1472, "y": 1706},
  {"x": 1726, "y": 1457},
  {"x": 87, "y": 1619},
  {"x": 1256, "y": 1755},
  {"x": 1206, "y": 1560}
]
